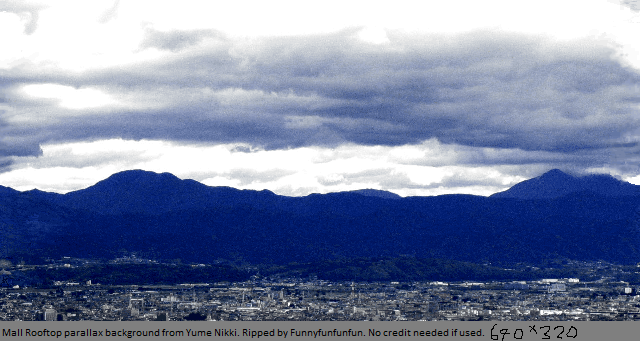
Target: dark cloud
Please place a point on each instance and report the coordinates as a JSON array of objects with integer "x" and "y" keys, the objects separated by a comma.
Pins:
[
  {"x": 566, "y": 101},
  {"x": 11, "y": 146},
  {"x": 12, "y": 149},
  {"x": 5, "y": 164},
  {"x": 11, "y": 142}
]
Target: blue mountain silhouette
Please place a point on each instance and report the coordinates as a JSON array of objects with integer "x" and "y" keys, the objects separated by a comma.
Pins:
[
  {"x": 164, "y": 217},
  {"x": 555, "y": 183},
  {"x": 153, "y": 193},
  {"x": 376, "y": 193}
]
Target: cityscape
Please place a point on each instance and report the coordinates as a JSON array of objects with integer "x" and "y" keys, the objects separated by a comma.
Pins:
[{"x": 311, "y": 299}]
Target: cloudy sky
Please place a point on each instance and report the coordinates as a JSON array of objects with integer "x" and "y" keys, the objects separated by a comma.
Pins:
[{"x": 414, "y": 97}]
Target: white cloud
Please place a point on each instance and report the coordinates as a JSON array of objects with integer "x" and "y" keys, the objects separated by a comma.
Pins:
[
  {"x": 374, "y": 35},
  {"x": 69, "y": 97}
]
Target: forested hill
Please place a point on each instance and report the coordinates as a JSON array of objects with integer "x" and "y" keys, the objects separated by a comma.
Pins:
[{"x": 162, "y": 217}]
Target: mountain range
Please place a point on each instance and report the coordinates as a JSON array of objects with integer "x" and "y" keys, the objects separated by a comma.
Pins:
[
  {"x": 162, "y": 217},
  {"x": 555, "y": 183}
]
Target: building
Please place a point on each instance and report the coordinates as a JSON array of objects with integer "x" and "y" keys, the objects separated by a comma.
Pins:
[
  {"x": 50, "y": 315},
  {"x": 555, "y": 287},
  {"x": 520, "y": 285}
]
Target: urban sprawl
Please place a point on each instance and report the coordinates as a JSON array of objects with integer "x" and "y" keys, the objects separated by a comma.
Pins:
[{"x": 310, "y": 299}]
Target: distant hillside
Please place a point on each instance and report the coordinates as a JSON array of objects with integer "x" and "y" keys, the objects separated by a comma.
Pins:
[
  {"x": 556, "y": 183},
  {"x": 377, "y": 193},
  {"x": 159, "y": 216},
  {"x": 7, "y": 190},
  {"x": 148, "y": 192}
]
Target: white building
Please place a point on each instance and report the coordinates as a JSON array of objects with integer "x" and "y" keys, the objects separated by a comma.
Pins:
[{"x": 50, "y": 315}]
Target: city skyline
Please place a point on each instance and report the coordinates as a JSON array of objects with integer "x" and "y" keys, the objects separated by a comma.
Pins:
[{"x": 323, "y": 97}]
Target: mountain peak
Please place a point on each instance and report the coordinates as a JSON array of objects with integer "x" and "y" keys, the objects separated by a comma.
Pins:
[
  {"x": 155, "y": 193},
  {"x": 138, "y": 190},
  {"x": 555, "y": 174},
  {"x": 36, "y": 193},
  {"x": 555, "y": 183},
  {"x": 139, "y": 175}
]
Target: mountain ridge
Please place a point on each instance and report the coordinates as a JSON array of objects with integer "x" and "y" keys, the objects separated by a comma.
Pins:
[
  {"x": 552, "y": 184},
  {"x": 376, "y": 193},
  {"x": 167, "y": 218},
  {"x": 555, "y": 183}
]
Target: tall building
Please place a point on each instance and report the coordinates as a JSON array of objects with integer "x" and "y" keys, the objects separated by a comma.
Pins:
[
  {"x": 136, "y": 305},
  {"x": 50, "y": 315}
]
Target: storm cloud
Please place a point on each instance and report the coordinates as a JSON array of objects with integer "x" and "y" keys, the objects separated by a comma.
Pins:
[{"x": 481, "y": 89}]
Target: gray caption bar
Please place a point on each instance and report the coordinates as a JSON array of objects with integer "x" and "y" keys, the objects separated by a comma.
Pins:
[{"x": 324, "y": 330}]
